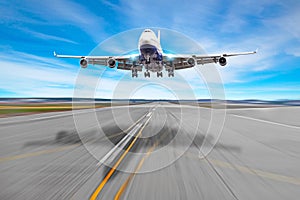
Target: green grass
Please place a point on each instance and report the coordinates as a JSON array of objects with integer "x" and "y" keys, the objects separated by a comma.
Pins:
[
  {"x": 22, "y": 109},
  {"x": 13, "y": 109},
  {"x": 35, "y": 110}
]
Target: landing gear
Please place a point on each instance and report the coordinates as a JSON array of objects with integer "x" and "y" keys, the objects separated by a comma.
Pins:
[
  {"x": 134, "y": 73},
  {"x": 171, "y": 70},
  {"x": 171, "y": 74},
  {"x": 147, "y": 74},
  {"x": 148, "y": 57},
  {"x": 159, "y": 74}
]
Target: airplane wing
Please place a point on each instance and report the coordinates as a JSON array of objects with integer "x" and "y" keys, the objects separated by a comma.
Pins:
[
  {"x": 176, "y": 62},
  {"x": 183, "y": 61},
  {"x": 123, "y": 62}
]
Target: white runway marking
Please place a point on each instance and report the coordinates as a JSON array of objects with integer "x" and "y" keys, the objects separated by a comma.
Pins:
[
  {"x": 123, "y": 142},
  {"x": 120, "y": 146},
  {"x": 266, "y": 121}
]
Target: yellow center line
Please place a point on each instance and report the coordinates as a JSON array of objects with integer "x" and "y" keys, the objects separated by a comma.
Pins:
[
  {"x": 107, "y": 177},
  {"x": 124, "y": 186},
  {"x": 37, "y": 153}
]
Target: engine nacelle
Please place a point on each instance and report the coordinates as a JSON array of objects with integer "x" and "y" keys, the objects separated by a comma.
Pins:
[
  {"x": 83, "y": 63},
  {"x": 111, "y": 63},
  {"x": 222, "y": 61},
  {"x": 191, "y": 61}
]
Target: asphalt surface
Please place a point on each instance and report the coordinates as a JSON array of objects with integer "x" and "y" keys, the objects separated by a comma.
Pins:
[{"x": 153, "y": 151}]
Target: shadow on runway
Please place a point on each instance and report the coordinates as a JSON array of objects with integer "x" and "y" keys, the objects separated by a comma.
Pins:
[
  {"x": 199, "y": 139},
  {"x": 114, "y": 135},
  {"x": 160, "y": 140},
  {"x": 64, "y": 137}
]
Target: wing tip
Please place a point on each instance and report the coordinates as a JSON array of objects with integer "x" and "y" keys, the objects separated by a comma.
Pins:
[{"x": 55, "y": 54}]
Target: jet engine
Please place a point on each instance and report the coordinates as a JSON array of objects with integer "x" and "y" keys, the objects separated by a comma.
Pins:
[
  {"x": 222, "y": 61},
  {"x": 111, "y": 63},
  {"x": 83, "y": 63},
  {"x": 191, "y": 61}
]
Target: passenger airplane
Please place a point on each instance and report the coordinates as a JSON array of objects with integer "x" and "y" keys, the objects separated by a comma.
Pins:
[{"x": 152, "y": 58}]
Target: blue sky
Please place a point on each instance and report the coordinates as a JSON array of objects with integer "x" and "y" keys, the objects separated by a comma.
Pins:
[{"x": 31, "y": 30}]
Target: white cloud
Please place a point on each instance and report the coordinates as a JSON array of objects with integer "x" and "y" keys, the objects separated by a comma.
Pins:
[
  {"x": 34, "y": 60},
  {"x": 289, "y": 23},
  {"x": 47, "y": 36},
  {"x": 76, "y": 14},
  {"x": 31, "y": 75},
  {"x": 119, "y": 44},
  {"x": 294, "y": 51},
  {"x": 53, "y": 13},
  {"x": 264, "y": 92}
]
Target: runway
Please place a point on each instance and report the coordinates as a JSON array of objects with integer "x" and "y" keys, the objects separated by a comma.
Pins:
[{"x": 152, "y": 151}]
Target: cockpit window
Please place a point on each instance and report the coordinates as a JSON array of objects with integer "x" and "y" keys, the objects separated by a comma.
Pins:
[{"x": 147, "y": 31}]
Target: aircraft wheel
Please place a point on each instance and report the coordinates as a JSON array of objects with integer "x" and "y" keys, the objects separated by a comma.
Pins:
[
  {"x": 171, "y": 74},
  {"x": 134, "y": 75}
]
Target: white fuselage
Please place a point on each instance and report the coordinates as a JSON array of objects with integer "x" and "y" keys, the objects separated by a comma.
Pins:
[
  {"x": 148, "y": 37},
  {"x": 149, "y": 47}
]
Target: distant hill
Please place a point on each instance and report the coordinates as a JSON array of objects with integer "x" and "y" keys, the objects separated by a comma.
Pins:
[{"x": 69, "y": 100}]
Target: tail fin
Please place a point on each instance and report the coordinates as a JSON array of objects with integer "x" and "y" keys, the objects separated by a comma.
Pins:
[{"x": 158, "y": 36}]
